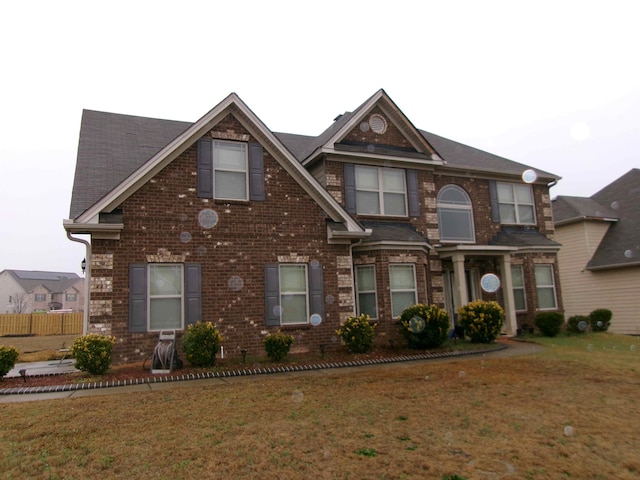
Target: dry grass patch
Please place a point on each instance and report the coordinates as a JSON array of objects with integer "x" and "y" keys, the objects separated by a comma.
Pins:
[{"x": 559, "y": 414}]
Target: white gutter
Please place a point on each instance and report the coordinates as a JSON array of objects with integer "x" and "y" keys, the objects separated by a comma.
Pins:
[{"x": 87, "y": 287}]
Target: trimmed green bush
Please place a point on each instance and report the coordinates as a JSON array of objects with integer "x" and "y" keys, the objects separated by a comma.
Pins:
[
  {"x": 357, "y": 333},
  {"x": 578, "y": 324},
  {"x": 600, "y": 319},
  {"x": 549, "y": 323},
  {"x": 93, "y": 353},
  {"x": 200, "y": 343},
  {"x": 424, "y": 326},
  {"x": 482, "y": 321},
  {"x": 277, "y": 345},
  {"x": 8, "y": 357}
]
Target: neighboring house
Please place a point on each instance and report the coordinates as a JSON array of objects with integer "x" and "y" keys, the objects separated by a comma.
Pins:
[
  {"x": 600, "y": 254},
  {"x": 223, "y": 220},
  {"x": 26, "y": 291}
]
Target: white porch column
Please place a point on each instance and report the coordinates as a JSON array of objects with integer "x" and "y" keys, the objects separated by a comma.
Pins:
[
  {"x": 510, "y": 323},
  {"x": 460, "y": 296}
]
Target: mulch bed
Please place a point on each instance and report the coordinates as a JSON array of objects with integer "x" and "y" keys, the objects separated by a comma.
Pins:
[{"x": 141, "y": 372}]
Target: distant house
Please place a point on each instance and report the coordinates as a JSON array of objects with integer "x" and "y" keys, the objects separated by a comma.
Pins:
[
  {"x": 600, "y": 254},
  {"x": 27, "y": 291},
  {"x": 224, "y": 220}
]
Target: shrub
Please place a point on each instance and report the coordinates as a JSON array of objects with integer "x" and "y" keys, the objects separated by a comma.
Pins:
[
  {"x": 424, "y": 326},
  {"x": 357, "y": 333},
  {"x": 578, "y": 324},
  {"x": 277, "y": 345},
  {"x": 549, "y": 323},
  {"x": 93, "y": 352},
  {"x": 482, "y": 321},
  {"x": 200, "y": 343},
  {"x": 600, "y": 319},
  {"x": 8, "y": 357}
]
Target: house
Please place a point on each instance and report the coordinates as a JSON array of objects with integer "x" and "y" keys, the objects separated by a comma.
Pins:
[
  {"x": 600, "y": 257},
  {"x": 27, "y": 291},
  {"x": 224, "y": 220}
]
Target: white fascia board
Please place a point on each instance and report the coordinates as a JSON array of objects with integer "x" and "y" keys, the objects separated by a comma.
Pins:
[{"x": 367, "y": 157}]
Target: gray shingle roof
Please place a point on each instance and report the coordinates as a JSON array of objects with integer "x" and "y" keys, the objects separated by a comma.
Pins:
[
  {"x": 620, "y": 200},
  {"x": 110, "y": 148},
  {"x": 55, "y": 282},
  {"x": 392, "y": 232},
  {"x": 517, "y": 237},
  {"x": 463, "y": 157},
  {"x": 621, "y": 244},
  {"x": 568, "y": 209}
]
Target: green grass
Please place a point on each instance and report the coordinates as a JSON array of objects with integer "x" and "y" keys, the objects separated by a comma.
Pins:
[{"x": 570, "y": 411}]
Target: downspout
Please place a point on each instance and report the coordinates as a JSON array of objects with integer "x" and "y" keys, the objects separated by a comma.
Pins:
[{"x": 87, "y": 287}]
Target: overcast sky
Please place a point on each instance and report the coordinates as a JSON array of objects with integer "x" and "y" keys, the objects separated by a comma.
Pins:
[{"x": 555, "y": 85}]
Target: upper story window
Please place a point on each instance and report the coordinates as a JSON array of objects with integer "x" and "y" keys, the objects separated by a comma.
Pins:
[
  {"x": 230, "y": 170},
  {"x": 380, "y": 191},
  {"x": 455, "y": 215},
  {"x": 515, "y": 202}
]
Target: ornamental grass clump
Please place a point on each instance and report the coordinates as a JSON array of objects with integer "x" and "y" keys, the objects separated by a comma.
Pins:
[
  {"x": 200, "y": 343},
  {"x": 277, "y": 345},
  {"x": 93, "y": 353},
  {"x": 424, "y": 326},
  {"x": 8, "y": 357},
  {"x": 357, "y": 333},
  {"x": 482, "y": 321}
]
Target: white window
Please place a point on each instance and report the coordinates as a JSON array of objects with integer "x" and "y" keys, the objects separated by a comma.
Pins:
[
  {"x": 546, "y": 287},
  {"x": 517, "y": 280},
  {"x": 70, "y": 297},
  {"x": 516, "y": 204},
  {"x": 294, "y": 300},
  {"x": 402, "y": 279},
  {"x": 455, "y": 215},
  {"x": 230, "y": 161},
  {"x": 40, "y": 297},
  {"x": 166, "y": 300},
  {"x": 366, "y": 290},
  {"x": 380, "y": 191}
]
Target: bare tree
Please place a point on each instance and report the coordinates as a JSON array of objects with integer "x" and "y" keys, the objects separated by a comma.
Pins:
[{"x": 20, "y": 302}]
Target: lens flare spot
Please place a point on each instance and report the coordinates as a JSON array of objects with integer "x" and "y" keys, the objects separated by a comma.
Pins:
[{"x": 208, "y": 218}]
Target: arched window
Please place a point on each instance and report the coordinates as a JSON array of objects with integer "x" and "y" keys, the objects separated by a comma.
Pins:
[{"x": 455, "y": 215}]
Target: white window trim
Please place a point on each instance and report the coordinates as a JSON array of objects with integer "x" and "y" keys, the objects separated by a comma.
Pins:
[
  {"x": 552, "y": 286},
  {"x": 468, "y": 207},
  {"x": 150, "y": 297},
  {"x": 214, "y": 144},
  {"x": 306, "y": 291},
  {"x": 380, "y": 191},
  {"x": 524, "y": 290},
  {"x": 392, "y": 290},
  {"x": 374, "y": 291},
  {"x": 516, "y": 204}
]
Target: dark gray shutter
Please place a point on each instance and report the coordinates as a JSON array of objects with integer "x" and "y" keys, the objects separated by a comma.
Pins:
[
  {"x": 350, "y": 187},
  {"x": 205, "y": 168},
  {"x": 272, "y": 294},
  {"x": 192, "y": 293},
  {"x": 256, "y": 172},
  {"x": 412, "y": 193},
  {"x": 137, "y": 298},
  {"x": 493, "y": 200},
  {"x": 316, "y": 292}
]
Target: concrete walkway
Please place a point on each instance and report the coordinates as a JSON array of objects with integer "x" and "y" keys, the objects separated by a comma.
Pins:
[{"x": 504, "y": 348}]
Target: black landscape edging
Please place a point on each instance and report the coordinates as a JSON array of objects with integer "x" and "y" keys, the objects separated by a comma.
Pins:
[{"x": 237, "y": 373}]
